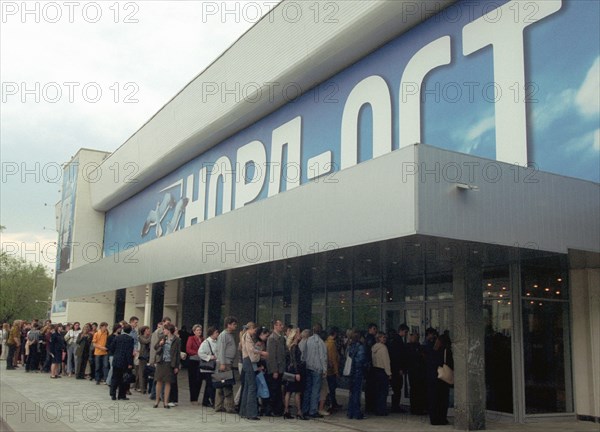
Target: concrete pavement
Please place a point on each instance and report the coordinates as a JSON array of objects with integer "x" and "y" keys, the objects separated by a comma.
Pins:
[{"x": 33, "y": 402}]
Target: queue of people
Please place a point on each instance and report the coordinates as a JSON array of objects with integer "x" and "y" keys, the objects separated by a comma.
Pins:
[{"x": 277, "y": 365}]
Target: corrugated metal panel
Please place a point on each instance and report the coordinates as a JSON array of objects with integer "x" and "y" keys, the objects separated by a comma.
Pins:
[
  {"x": 305, "y": 52},
  {"x": 520, "y": 208}
]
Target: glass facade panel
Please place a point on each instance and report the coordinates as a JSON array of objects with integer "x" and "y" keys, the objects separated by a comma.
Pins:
[
  {"x": 264, "y": 309},
  {"x": 366, "y": 314},
  {"x": 545, "y": 278},
  {"x": 497, "y": 315},
  {"x": 388, "y": 286},
  {"x": 439, "y": 286},
  {"x": 546, "y": 350},
  {"x": 340, "y": 317}
]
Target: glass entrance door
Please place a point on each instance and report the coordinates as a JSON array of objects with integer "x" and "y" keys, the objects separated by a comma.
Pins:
[
  {"x": 440, "y": 316},
  {"x": 412, "y": 315}
]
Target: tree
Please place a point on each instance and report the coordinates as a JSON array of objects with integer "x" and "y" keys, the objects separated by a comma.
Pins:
[{"x": 21, "y": 284}]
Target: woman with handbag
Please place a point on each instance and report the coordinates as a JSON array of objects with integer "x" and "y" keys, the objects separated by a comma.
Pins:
[
  {"x": 83, "y": 351},
  {"x": 357, "y": 352},
  {"x": 208, "y": 363},
  {"x": 251, "y": 356},
  {"x": 167, "y": 361},
  {"x": 294, "y": 369},
  {"x": 438, "y": 391},
  {"x": 191, "y": 348},
  {"x": 144, "y": 356},
  {"x": 57, "y": 345}
]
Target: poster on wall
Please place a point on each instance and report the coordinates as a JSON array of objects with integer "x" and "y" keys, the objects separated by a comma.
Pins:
[
  {"x": 67, "y": 215},
  {"x": 512, "y": 81}
]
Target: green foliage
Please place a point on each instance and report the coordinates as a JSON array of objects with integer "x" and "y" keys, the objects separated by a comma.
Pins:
[{"x": 21, "y": 283}]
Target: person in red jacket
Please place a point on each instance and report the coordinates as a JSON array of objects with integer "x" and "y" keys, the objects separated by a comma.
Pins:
[{"x": 191, "y": 348}]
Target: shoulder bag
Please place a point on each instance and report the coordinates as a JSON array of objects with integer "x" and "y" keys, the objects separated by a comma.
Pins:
[
  {"x": 445, "y": 373},
  {"x": 289, "y": 377},
  {"x": 223, "y": 379},
  {"x": 209, "y": 365}
]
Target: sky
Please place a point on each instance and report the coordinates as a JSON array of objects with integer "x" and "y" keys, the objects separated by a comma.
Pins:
[{"x": 90, "y": 74}]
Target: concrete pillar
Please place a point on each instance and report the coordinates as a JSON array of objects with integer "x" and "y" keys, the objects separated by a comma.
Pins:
[
  {"x": 148, "y": 306},
  {"x": 207, "y": 304},
  {"x": 468, "y": 348}
]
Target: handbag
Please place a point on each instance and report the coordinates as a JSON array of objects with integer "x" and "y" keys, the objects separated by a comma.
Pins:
[
  {"x": 209, "y": 365},
  {"x": 445, "y": 373},
  {"x": 347, "y": 366},
  {"x": 223, "y": 379},
  {"x": 289, "y": 377},
  {"x": 262, "y": 390}
]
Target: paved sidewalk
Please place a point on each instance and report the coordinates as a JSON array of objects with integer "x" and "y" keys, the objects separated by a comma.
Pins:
[{"x": 33, "y": 402}]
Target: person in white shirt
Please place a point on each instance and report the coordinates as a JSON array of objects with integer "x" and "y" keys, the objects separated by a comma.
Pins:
[
  {"x": 206, "y": 352},
  {"x": 71, "y": 341}
]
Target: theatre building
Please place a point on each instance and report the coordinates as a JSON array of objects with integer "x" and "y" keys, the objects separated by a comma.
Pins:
[{"x": 429, "y": 163}]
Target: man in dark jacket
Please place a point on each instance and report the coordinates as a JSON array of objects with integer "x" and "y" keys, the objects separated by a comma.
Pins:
[
  {"x": 122, "y": 348},
  {"x": 275, "y": 369},
  {"x": 398, "y": 362},
  {"x": 370, "y": 389}
]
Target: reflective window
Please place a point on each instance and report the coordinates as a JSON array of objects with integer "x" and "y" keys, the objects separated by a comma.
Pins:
[
  {"x": 546, "y": 350},
  {"x": 497, "y": 316}
]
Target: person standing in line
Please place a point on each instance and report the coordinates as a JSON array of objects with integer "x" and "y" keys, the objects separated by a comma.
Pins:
[
  {"x": 416, "y": 375},
  {"x": 382, "y": 373},
  {"x": 57, "y": 344},
  {"x": 356, "y": 352},
  {"x": 3, "y": 339},
  {"x": 122, "y": 347},
  {"x": 143, "y": 358},
  {"x": 333, "y": 364},
  {"x": 369, "y": 382},
  {"x": 101, "y": 353},
  {"x": 315, "y": 357},
  {"x": 438, "y": 391},
  {"x": 14, "y": 343},
  {"x": 33, "y": 338},
  {"x": 206, "y": 352},
  {"x": 93, "y": 330},
  {"x": 275, "y": 369},
  {"x": 168, "y": 360},
  {"x": 250, "y": 357},
  {"x": 294, "y": 365},
  {"x": 133, "y": 322},
  {"x": 83, "y": 350},
  {"x": 398, "y": 360},
  {"x": 226, "y": 351},
  {"x": 155, "y": 338},
  {"x": 109, "y": 345},
  {"x": 194, "y": 376},
  {"x": 71, "y": 341}
]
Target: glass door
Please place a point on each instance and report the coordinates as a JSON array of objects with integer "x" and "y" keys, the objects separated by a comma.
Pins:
[
  {"x": 440, "y": 316},
  {"x": 412, "y": 315}
]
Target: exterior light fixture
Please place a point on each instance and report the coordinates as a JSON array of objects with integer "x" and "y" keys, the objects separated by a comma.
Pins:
[{"x": 467, "y": 187}]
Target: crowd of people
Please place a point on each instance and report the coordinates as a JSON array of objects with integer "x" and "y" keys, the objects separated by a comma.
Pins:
[{"x": 274, "y": 364}]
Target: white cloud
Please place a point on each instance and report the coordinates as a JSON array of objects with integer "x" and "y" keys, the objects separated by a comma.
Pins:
[
  {"x": 171, "y": 43},
  {"x": 474, "y": 135},
  {"x": 587, "y": 144},
  {"x": 554, "y": 107},
  {"x": 588, "y": 96},
  {"x": 35, "y": 247}
]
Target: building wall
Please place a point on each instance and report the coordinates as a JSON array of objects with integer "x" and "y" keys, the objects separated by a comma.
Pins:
[
  {"x": 86, "y": 312},
  {"x": 585, "y": 307}
]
